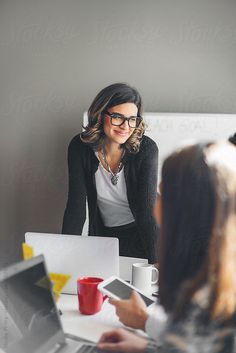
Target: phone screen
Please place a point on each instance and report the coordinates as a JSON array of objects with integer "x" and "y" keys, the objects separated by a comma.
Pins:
[{"x": 123, "y": 291}]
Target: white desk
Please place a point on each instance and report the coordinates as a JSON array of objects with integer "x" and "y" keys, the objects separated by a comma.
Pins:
[{"x": 89, "y": 327}]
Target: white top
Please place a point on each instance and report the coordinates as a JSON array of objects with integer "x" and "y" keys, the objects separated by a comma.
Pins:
[
  {"x": 112, "y": 199},
  {"x": 156, "y": 322}
]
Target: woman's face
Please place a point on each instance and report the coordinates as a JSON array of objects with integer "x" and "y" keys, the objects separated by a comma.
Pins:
[{"x": 119, "y": 134}]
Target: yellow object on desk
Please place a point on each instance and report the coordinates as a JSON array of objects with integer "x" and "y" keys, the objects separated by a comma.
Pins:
[
  {"x": 28, "y": 251},
  {"x": 58, "y": 280}
]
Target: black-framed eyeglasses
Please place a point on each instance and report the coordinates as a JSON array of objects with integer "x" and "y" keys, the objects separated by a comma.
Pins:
[{"x": 119, "y": 119}]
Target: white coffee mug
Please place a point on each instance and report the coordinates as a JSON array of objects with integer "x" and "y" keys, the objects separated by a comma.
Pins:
[{"x": 142, "y": 276}]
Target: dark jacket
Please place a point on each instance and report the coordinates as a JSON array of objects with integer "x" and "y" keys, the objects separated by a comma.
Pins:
[{"x": 141, "y": 181}]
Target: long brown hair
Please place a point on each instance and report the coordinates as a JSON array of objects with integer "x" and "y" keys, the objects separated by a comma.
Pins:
[
  {"x": 222, "y": 258},
  {"x": 110, "y": 96},
  {"x": 199, "y": 222}
]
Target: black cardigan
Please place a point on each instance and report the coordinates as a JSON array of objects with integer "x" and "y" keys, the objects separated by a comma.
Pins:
[{"x": 141, "y": 181}]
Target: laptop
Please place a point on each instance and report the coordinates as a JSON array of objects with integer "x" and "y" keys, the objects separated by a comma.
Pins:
[
  {"x": 126, "y": 266},
  {"x": 78, "y": 256},
  {"x": 29, "y": 321}
]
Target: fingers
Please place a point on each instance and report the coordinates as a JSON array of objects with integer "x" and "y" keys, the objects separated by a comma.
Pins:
[
  {"x": 134, "y": 295},
  {"x": 120, "y": 340},
  {"x": 110, "y": 336},
  {"x": 119, "y": 304},
  {"x": 113, "y": 301},
  {"x": 124, "y": 302},
  {"x": 111, "y": 347},
  {"x": 137, "y": 299}
]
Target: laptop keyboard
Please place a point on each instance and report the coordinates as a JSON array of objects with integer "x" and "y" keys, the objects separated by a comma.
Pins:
[{"x": 88, "y": 349}]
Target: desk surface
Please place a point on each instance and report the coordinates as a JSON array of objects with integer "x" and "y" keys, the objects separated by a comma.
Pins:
[{"x": 89, "y": 327}]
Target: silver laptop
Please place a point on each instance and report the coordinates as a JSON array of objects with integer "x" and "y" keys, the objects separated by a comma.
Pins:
[
  {"x": 78, "y": 256},
  {"x": 125, "y": 267},
  {"x": 29, "y": 320}
]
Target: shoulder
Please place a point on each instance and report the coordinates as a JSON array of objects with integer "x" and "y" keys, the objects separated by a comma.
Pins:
[
  {"x": 147, "y": 154},
  {"x": 148, "y": 145},
  {"x": 76, "y": 144},
  {"x": 79, "y": 151},
  {"x": 148, "y": 150},
  {"x": 197, "y": 330},
  {"x": 76, "y": 141}
]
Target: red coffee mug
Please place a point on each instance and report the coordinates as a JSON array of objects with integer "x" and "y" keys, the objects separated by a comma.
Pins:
[{"x": 89, "y": 296}]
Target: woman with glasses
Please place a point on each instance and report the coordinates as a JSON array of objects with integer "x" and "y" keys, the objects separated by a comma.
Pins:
[{"x": 113, "y": 165}]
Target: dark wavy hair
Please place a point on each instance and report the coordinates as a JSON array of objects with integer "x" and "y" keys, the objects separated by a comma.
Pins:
[{"x": 110, "y": 96}]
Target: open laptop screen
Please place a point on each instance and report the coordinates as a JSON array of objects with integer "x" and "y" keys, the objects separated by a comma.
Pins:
[{"x": 29, "y": 319}]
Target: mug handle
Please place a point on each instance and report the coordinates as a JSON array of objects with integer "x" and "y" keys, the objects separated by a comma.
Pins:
[
  {"x": 154, "y": 270},
  {"x": 104, "y": 298}
]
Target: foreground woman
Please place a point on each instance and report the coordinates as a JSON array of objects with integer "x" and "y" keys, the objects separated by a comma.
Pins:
[{"x": 204, "y": 317}]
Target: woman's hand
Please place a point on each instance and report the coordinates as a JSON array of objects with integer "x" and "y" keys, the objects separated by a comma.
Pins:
[
  {"x": 120, "y": 340},
  {"x": 131, "y": 312}
]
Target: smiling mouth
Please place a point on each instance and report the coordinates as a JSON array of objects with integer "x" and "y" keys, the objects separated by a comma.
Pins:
[{"x": 121, "y": 133}]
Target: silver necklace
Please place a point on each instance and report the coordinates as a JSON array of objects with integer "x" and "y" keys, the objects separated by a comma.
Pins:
[{"x": 114, "y": 175}]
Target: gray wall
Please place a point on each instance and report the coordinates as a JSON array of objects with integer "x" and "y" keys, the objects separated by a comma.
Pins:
[{"x": 56, "y": 54}]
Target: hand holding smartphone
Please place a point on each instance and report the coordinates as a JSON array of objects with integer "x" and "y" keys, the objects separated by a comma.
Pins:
[{"x": 115, "y": 287}]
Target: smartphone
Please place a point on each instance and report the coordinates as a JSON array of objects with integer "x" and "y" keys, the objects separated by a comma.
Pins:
[{"x": 115, "y": 287}]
